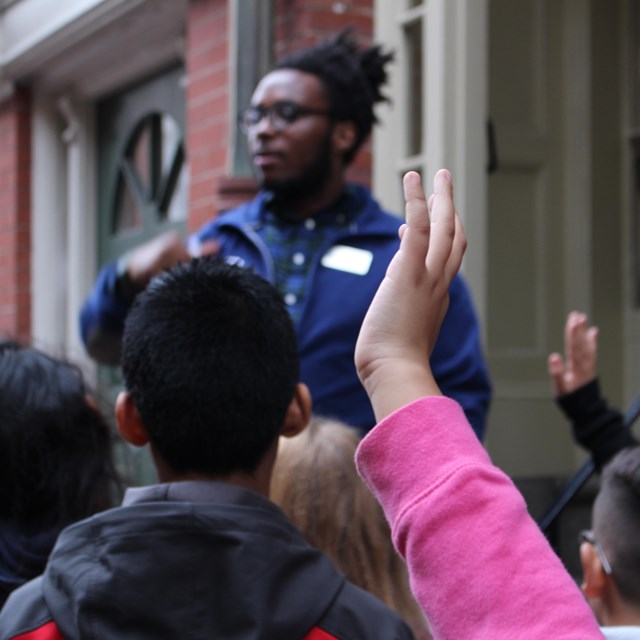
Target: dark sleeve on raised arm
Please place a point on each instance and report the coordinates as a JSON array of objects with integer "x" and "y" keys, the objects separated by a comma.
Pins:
[
  {"x": 597, "y": 427},
  {"x": 103, "y": 314},
  {"x": 457, "y": 360}
]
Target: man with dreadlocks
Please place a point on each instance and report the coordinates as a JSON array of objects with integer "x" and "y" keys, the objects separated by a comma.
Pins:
[{"x": 323, "y": 242}]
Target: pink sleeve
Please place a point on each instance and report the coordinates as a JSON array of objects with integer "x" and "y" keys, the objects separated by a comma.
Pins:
[{"x": 478, "y": 563}]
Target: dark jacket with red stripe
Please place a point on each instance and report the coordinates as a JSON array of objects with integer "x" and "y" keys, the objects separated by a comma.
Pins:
[{"x": 192, "y": 560}]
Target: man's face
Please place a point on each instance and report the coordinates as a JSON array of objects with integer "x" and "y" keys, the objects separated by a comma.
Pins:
[{"x": 295, "y": 158}]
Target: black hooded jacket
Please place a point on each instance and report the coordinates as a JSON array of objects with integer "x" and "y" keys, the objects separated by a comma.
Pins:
[{"x": 193, "y": 560}]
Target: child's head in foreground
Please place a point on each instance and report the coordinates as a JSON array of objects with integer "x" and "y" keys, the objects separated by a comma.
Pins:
[{"x": 210, "y": 364}]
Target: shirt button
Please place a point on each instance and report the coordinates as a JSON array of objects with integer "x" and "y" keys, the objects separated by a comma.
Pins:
[
  {"x": 310, "y": 224},
  {"x": 298, "y": 258},
  {"x": 290, "y": 299}
]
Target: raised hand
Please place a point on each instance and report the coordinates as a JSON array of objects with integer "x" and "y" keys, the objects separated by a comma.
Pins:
[
  {"x": 578, "y": 367},
  {"x": 163, "y": 252},
  {"x": 402, "y": 324}
]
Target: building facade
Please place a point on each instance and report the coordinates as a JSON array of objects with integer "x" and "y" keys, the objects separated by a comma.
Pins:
[{"x": 117, "y": 120}]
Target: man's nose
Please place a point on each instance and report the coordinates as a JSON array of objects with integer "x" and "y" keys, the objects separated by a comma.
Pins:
[{"x": 264, "y": 126}]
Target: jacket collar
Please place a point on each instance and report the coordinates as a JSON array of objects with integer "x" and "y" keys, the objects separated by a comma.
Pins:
[{"x": 198, "y": 491}]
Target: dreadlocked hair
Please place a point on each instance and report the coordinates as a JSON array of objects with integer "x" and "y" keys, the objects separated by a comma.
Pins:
[{"x": 353, "y": 79}]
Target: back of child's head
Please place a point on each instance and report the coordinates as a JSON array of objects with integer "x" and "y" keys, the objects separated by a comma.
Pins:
[
  {"x": 55, "y": 447},
  {"x": 210, "y": 360},
  {"x": 616, "y": 521},
  {"x": 316, "y": 484}
]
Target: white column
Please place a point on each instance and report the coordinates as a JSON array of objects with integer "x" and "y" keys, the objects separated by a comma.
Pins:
[
  {"x": 81, "y": 219},
  {"x": 471, "y": 144},
  {"x": 48, "y": 229}
]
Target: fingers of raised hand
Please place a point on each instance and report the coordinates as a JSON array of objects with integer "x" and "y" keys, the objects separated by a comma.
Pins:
[
  {"x": 580, "y": 339},
  {"x": 417, "y": 223},
  {"x": 556, "y": 369},
  {"x": 416, "y": 211},
  {"x": 447, "y": 240},
  {"x": 458, "y": 248},
  {"x": 433, "y": 231}
]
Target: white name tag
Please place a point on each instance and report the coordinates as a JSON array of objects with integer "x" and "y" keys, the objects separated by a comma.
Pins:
[{"x": 348, "y": 259}]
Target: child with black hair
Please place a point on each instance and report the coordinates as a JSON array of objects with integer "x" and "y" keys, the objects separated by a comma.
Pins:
[
  {"x": 610, "y": 553},
  {"x": 210, "y": 365},
  {"x": 55, "y": 459},
  {"x": 320, "y": 239}
]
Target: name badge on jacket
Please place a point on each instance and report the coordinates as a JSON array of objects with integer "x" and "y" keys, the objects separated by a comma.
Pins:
[{"x": 349, "y": 259}]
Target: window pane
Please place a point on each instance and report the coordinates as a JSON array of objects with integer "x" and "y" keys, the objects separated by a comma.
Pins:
[
  {"x": 635, "y": 66},
  {"x": 414, "y": 71},
  {"x": 140, "y": 158},
  {"x": 172, "y": 162},
  {"x": 180, "y": 197},
  {"x": 254, "y": 28},
  {"x": 128, "y": 215},
  {"x": 634, "y": 146},
  {"x": 171, "y": 139}
]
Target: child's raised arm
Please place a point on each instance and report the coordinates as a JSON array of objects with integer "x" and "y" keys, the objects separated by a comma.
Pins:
[
  {"x": 402, "y": 324},
  {"x": 478, "y": 564}
]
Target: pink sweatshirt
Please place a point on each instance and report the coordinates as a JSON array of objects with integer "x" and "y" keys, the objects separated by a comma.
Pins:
[{"x": 479, "y": 565}]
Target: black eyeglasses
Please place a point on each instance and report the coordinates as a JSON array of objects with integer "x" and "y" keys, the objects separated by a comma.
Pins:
[
  {"x": 587, "y": 536},
  {"x": 281, "y": 115}
]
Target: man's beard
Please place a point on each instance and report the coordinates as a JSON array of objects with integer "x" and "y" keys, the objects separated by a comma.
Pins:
[{"x": 310, "y": 182}]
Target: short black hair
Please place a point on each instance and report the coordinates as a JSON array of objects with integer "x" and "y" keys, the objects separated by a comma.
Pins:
[
  {"x": 352, "y": 77},
  {"x": 56, "y": 462},
  {"x": 210, "y": 359},
  {"x": 616, "y": 520}
]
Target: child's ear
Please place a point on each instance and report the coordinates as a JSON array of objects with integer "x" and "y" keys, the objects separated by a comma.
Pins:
[
  {"x": 130, "y": 424},
  {"x": 299, "y": 412},
  {"x": 594, "y": 577}
]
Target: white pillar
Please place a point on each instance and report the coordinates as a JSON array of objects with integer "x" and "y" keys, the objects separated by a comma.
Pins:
[
  {"x": 81, "y": 219},
  {"x": 48, "y": 229}
]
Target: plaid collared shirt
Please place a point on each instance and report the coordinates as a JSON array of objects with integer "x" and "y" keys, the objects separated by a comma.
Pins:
[{"x": 294, "y": 243}]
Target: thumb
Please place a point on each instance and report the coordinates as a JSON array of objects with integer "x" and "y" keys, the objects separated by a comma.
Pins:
[
  {"x": 555, "y": 367},
  {"x": 207, "y": 248}
]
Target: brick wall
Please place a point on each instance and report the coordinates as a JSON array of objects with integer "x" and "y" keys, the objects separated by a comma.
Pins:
[
  {"x": 297, "y": 23},
  {"x": 302, "y": 23},
  {"x": 207, "y": 63},
  {"x": 15, "y": 216}
]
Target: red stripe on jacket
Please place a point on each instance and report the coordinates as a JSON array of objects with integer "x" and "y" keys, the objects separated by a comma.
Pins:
[
  {"x": 318, "y": 634},
  {"x": 50, "y": 631}
]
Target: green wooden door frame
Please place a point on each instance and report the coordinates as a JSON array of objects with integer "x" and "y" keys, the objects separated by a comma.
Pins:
[
  {"x": 142, "y": 191},
  {"x": 132, "y": 121}
]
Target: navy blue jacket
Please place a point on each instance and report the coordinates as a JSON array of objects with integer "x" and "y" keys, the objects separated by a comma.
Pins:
[
  {"x": 335, "y": 305},
  {"x": 193, "y": 560}
]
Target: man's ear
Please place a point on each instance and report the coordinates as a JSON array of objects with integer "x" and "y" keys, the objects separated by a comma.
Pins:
[
  {"x": 130, "y": 424},
  {"x": 298, "y": 413},
  {"x": 344, "y": 136},
  {"x": 594, "y": 577}
]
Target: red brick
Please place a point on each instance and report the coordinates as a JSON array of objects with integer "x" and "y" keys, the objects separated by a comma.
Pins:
[
  {"x": 206, "y": 55},
  {"x": 324, "y": 23},
  {"x": 15, "y": 214},
  {"x": 210, "y": 79},
  {"x": 216, "y": 112}
]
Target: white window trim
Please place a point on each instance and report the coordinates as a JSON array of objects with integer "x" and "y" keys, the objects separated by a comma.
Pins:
[
  {"x": 63, "y": 256},
  {"x": 455, "y": 86}
]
